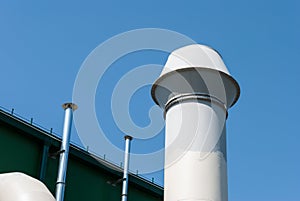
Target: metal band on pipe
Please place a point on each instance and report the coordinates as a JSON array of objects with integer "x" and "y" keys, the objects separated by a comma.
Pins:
[{"x": 192, "y": 97}]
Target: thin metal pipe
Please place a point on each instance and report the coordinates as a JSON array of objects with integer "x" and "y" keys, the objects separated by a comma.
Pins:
[
  {"x": 126, "y": 167},
  {"x": 44, "y": 161},
  {"x": 64, "y": 151}
]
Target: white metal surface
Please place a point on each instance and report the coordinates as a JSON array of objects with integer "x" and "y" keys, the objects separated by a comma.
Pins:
[
  {"x": 194, "y": 55},
  {"x": 195, "y": 154},
  {"x": 64, "y": 151},
  {"x": 195, "y": 89},
  {"x": 20, "y": 187},
  {"x": 126, "y": 167}
]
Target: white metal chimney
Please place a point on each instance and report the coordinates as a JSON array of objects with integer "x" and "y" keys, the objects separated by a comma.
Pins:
[{"x": 195, "y": 90}]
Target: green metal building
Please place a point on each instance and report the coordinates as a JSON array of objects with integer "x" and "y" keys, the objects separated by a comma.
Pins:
[{"x": 33, "y": 151}]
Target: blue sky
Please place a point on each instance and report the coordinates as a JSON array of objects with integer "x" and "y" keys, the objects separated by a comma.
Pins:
[{"x": 43, "y": 45}]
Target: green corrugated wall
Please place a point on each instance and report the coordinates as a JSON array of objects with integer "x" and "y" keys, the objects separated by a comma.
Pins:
[{"x": 22, "y": 152}]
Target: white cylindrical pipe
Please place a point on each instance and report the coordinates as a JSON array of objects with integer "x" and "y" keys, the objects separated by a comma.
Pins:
[
  {"x": 64, "y": 151},
  {"x": 195, "y": 89},
  {"x": 126, "y": 167},
  {"x": 196, "y": 155}
]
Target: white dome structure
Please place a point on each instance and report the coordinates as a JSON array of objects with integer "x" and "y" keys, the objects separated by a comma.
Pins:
[
  {"x": 21, "y": 187},
  {"x": 195, "y": 69}
]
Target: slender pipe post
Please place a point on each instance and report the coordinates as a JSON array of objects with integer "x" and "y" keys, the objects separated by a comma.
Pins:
[
  {"x": 44, "y": 162},
  {"x": 64, "y": 151},
  {"x": 126, "y": 167}
]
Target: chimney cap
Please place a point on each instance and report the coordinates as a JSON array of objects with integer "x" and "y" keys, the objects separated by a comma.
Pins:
[
  {"x": 73, "y": 106},
  {"x": 195, "y": 55},
  {"x": 195, "y": 69}
]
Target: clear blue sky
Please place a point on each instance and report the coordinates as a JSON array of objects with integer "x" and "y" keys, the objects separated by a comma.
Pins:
[{"x": 43, "y": 45}]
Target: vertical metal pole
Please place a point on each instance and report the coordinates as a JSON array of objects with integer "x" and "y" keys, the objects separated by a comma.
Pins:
[
  {"x": 44, "y": 161},
  {"x": 126, "y": 167},
  {"x": 64, "y": 151}
]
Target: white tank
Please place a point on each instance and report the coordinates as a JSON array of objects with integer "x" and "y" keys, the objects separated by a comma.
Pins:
[
  {"x": 195, "y": 89},
  {"x": 21, "y": 187}
]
